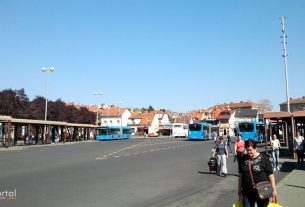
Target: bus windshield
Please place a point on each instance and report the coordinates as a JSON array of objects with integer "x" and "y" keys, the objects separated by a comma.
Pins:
[
  {"x": 246, "y": 127},
  {"x": 195, "y": 127}
]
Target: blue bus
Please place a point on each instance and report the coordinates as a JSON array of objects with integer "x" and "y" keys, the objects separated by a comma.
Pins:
[
  {"x": 199, "y": 131},
  {"x": 113, "y": 132},
  {"x": 252, "y": 130}
]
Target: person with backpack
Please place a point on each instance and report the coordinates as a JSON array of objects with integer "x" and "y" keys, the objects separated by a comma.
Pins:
[{"x": 220, "y": 150}]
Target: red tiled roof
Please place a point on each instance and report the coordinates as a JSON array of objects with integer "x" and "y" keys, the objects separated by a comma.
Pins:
[
  {"x": 184, "y": 118},
  {"x": 237, "y": 105},
  {"x": 198, "y": 114},
  {"x": 147, "y": 118},
  {"x": 226, "y": 116},
  {"x": 295, "y": 101},
  {"x": 113, "y": 111},
  {"x": 135, "y": 115},
  {"x": 299, "y": 113},
  {"x": 272, "y": 114}
]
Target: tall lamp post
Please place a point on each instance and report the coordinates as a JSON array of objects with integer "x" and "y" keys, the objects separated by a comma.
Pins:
[
  {"x": 121, "y": 130},
  {"x": 46, "y": 69},
  {"x": 285, "y": 60},
  {"x": 97, "y": 108}
]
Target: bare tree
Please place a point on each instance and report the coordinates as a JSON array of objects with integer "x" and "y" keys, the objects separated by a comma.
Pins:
[{"x": 266, "y": 104}]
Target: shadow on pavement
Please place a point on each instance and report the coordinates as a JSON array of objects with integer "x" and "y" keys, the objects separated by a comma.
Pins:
[
  {"x": 288, "y": 166},
  {"x": 295, "y": 186},
  {"x": 208, "y": 173}
]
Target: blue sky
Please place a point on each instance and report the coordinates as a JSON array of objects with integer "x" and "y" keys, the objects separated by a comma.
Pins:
[{"x": 173, "y": 54}]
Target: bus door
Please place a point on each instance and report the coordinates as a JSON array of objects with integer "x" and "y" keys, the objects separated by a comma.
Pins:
[
  {"x": 114, "y": 133},
  {"x": 213, "y": 129},
  {"x": 206, "y": 132},
  {"x": 260, "y": 132},
  {"x": 127, "y": 133}
]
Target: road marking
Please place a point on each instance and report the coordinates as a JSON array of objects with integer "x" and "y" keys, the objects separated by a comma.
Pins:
[{"x": 145, "y": 144}]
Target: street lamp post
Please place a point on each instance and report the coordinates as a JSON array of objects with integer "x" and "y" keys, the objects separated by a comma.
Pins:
[
  {"x": 121, "y": 130},
  {"x": 97, "y": 108},
  {"x": 46, "y": 69}
]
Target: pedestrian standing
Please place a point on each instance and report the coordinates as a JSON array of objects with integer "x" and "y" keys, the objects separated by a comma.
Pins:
[
  {"x": 220, "y": 149},
  {"x": 275, "y": 151},
  {"x": 91, "y": 135},
  {"x": 239, "y": 147},
  {"x": 299, "y": 148}
]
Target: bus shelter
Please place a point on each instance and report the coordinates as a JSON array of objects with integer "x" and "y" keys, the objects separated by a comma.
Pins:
[
  {"x": 284, "y": 125},
  {"x": 39, "y": 131}
]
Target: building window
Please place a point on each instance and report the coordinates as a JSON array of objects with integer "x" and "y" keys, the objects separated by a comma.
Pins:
[
  {"x": 110, "y": 121},
  {"x": 118, "y": 121}
]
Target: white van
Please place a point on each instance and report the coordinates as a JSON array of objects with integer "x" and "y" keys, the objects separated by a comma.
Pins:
[{"x": 180, "y": 130}]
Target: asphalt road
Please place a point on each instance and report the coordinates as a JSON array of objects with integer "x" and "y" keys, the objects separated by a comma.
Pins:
[{"x": 129, "y": 173}]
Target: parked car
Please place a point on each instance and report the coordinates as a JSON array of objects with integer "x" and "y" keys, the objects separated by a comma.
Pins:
[{"x": 155, "y": 134}]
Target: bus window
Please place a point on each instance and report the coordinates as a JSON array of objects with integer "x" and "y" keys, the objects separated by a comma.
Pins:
[
  {"x": 114, "y": 130},
  {"x": 128, "y": 131},
  {"x": 102, "y": 131},
  {"x": 206, "y": 132}
]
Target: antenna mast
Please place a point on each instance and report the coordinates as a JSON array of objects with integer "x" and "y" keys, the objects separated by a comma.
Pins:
[{"x": 284, "y": 36}]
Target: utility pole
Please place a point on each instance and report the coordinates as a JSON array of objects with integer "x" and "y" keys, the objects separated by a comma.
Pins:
[{"x": 284, "y": 36}]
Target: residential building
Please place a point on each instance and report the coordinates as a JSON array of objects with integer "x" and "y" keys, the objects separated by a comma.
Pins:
[
  {"x": 134, "y": 121},
  {"x": 244, "y": 111},
  {"x": 151, "y": 120},
  {"x": 114, "y": 116},
  {"x": 226, "y": 122},
  {"x": 297, "y": 104}
]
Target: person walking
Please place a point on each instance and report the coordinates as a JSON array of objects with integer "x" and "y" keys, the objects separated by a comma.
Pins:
[
  {"x": 229, "y": 144},
  {"x": 91, "y": 135},
  {"x": 214, "y": 136},
  {"x": 239, "y": 147},
  {"x": 220, "y": 149},
  {"x": 261, "y": 170},
  {"x": 275, "y": 151},
  {"x": 299, "y": 148}
]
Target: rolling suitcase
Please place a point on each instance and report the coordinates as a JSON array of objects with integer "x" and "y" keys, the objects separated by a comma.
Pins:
[{"x": 212, "y": 164}]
